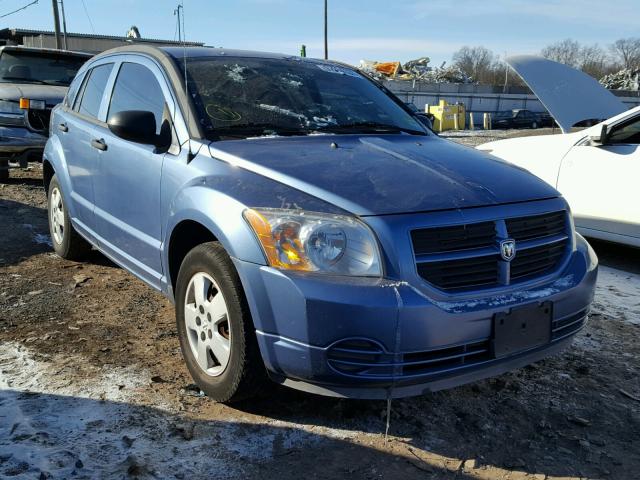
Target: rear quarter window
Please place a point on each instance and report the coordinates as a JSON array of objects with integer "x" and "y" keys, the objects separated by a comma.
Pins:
[
  {"x": 93, "y": 90},
  {"x": 73, "y": 90}
]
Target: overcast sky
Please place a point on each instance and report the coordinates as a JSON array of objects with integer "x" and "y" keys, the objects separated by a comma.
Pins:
[{"x": 369, "y": 29}]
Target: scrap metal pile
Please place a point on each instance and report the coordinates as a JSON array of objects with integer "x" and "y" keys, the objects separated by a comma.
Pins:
[
  {"x": 625, "y": 79},
  {"x": 418, "y": 69}
]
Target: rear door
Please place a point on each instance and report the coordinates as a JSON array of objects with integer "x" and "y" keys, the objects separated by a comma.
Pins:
[
  {"x": 601, "y": 184},
  {"x": 76, "y": 128},
  {"x": 127, "y": 186}
]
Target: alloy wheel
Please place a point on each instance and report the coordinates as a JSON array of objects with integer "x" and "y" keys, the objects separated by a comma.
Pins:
[
  {"x": 56, "y": 212},
  {"x": 207, "y": 320}
]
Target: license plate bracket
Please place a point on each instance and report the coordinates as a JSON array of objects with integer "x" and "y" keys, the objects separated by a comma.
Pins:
[{"x": 521, "y": 328}]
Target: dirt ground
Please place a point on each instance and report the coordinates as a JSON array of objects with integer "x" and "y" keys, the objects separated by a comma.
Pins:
[{"x": 92, "y": 385}]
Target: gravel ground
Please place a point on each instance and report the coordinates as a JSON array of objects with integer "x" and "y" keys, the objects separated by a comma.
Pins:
[{"x": 92, "y": 385}]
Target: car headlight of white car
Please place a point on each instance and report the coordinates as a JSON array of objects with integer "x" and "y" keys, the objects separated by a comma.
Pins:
[{"x": 315, "y": 242}]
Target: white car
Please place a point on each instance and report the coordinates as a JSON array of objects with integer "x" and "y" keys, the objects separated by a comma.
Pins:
[{"x": 596, "y": 169}]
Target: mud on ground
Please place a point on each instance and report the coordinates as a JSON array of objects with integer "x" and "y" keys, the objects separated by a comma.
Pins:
[{"x": 92, "y": 385}]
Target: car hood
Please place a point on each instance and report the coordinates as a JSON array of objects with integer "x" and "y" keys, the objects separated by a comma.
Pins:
[
  {"x": 51, "y": 94},
  {"x": 376, "y": 175},
  {"x": 539, "y": 154},
  {"x": 569, "y": 95}
]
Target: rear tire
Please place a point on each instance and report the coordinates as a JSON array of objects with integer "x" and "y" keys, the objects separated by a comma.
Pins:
[
  {"x": 534, "y": 125},
  {"x": 216, "y": 332},
  {"x": 66, "y": 242}
]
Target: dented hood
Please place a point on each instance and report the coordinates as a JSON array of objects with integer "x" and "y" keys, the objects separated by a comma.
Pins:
[
  {"x": 375, "y": 175},
  {"x": 570, "y": 96}
]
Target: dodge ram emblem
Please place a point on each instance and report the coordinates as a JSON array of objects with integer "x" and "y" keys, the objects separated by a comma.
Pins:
[{"x": 508, "y": 249}]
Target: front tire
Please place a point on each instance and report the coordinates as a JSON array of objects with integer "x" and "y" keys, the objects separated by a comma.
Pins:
[
  {"x": 66, "y": 242},
  {"x": 215, "y": 328}
]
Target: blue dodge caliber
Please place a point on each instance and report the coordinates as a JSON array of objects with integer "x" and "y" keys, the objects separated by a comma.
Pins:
[{"x": 307, "y": 226}]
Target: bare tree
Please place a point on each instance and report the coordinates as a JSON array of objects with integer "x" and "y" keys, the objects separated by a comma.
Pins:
[
  {"x": 593, "y": 60},
  {"x": 475, "y": 62},
  {"x": 627, "y": 52},
  {"x": 566, "y": 51}
]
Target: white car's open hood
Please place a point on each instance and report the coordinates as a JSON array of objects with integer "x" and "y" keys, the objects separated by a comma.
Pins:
[{"x": 569, "y": 95}]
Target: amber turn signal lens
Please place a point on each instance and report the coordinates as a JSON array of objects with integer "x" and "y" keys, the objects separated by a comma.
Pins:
[
  {"x": 283, "y": 248},
  {"x": 24, "y": 103}
]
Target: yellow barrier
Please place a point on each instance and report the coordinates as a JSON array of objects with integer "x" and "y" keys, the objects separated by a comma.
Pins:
[{"x": 447, "y": 117}]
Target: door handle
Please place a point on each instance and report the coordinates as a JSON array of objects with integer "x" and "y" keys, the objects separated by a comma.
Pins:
[
  {"x": 63, "y": 127},
  {"x": 99, "y": 144}
]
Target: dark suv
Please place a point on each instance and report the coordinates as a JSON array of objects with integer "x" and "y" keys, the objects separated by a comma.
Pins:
[{"x": 32, "y": 82}]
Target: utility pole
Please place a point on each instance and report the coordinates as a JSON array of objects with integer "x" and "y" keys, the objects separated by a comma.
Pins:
[
  {"x": 56, "y": 23},
  {"x": 326, "y": 42},
  {"x": 64, "y": 25}
]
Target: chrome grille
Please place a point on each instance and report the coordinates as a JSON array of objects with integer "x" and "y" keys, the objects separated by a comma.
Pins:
[{"x": 462, "y": 257}]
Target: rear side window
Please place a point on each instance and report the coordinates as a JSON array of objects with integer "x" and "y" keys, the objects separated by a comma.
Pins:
[
  {"x": 73, "y": 90},
  {"x": 137, "y": 88},
  {"x": 94, "y": 89}
]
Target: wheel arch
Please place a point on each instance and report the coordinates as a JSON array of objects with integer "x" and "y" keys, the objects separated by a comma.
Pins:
[
  {"x": 54, "y": 163},
  {"x": 47, "y": 174},
  {"x": 200, "y": 215}
]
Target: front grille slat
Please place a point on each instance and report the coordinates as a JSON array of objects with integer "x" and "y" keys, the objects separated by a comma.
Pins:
[
  {"x": 536, "y": 261},
  {"x": 449, "y": 239},
  {"x": 536, "y": 226},
  {"x": 462, "y": 257}
]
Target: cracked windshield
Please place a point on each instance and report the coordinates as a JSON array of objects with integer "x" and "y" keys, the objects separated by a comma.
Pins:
[{"x": 247, "y": 97}]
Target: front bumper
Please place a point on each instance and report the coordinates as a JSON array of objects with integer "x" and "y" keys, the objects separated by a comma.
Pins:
[
  {"x": 19, "y": 145},
  {"x": 373, "y": 338}
]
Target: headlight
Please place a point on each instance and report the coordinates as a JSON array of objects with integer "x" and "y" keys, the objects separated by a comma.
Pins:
[
  {"x": 10, "y": 107},
  {"x": 315, "y": 242}
]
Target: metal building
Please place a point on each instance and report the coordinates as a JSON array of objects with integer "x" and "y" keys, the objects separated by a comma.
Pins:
[{"x": 83, "y": 42}]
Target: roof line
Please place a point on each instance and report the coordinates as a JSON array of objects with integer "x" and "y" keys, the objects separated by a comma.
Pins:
[{"x": 26, "y": 31}]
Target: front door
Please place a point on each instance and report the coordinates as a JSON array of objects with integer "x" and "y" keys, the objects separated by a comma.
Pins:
[
  {"x": 127, "y": 187},
  {"x": 601, "y": 183}
]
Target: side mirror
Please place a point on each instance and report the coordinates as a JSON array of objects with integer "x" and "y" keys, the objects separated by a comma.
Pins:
[
  {"x": 136, "y": 126},
  {"x": 601, "y": 138}
]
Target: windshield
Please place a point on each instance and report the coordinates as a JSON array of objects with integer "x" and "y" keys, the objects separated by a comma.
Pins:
[
  {"x": 39, "y": 68},
  {"x": 246, "y": 97},
  {"x": 505, "y": 114}
]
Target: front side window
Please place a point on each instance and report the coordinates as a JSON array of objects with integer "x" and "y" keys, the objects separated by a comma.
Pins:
[
  {"x": 628, "y": 132},
  {"x": 94, "y": 90},
  {"x": 137, "y": 88},
  {"x": 243, "y": 97},
  {"x": 39, "y": 68}
]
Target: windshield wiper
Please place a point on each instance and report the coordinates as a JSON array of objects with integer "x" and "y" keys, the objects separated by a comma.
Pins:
[
  {"x": 251, "y": 129},
  {"x": 368, "y": 126}
]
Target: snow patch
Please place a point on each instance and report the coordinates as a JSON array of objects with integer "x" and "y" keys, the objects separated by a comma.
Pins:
[
  {"x": 618, "y": 294},
  {"x": 508, "y": 299},
  {"x": 39, "y": 238},
  {"x": 57, "y": 420},
  {"x": 42, "y": 239}
]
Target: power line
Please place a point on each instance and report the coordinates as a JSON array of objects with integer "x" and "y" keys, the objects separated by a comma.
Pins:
[
  {"x": 86, "y": 12},
  {"x": 19, "y": 9}
]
